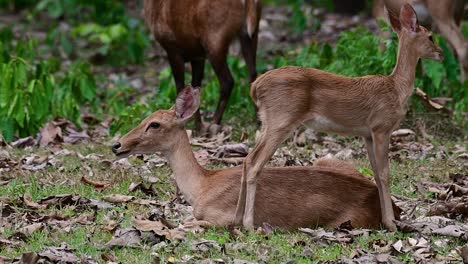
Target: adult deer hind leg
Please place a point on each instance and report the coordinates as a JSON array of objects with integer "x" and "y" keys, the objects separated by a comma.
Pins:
[
  {"x": 380, "y": 141},
  {"x": 217, "y": 58},
  {"x": 198, "y": 69},
  {"x": 249, "y": 52},
  {"x": 273, "y": 134}
]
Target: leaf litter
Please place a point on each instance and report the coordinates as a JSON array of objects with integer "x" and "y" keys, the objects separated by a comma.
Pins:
[{"x": 442, "y": 215}]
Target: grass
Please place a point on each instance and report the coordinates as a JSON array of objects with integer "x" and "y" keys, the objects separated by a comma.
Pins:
[{"x": 90, "y": 240}]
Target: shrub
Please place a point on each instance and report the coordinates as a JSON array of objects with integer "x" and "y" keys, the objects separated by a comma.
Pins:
[{"x": 30, "y": 94}]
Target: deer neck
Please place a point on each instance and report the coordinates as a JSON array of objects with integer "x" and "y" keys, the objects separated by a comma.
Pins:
[
  {"x": 404, "y": 72},
  {"x": 189, "y": 175}
]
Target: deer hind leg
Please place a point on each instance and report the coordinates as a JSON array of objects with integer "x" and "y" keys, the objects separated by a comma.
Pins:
[
  {"x": 380, "y": 146},
  {"x": 198, "y": 69},
  {"x": 272, "y": 136},
  {"x": 220, "y": 66},
  {"x": 239, "y": 214},
  {"x": 249, "y": 52}
]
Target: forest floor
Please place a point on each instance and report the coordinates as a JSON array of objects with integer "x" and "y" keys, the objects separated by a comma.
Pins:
[{"x": 75, "y": 202}]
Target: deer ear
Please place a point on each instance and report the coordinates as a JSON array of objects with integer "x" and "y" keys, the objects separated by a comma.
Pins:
[
  {"x": 187, "y": 103},
  {"x": 394, "y": 21},
  {"x": 408, "y": 18}
]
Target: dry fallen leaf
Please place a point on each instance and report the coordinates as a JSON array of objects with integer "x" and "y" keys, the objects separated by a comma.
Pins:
[
  {"x": 398, "y": 246},
  {"x": 9, "y": 243},
  {"x": 60, "y": 254},
  {"x": 30, "y": 229},
  {"x": 29, "y": 203},
  {"x": 403, "y": 136},
  {"x": 147, "y": 225},
  {"x": 232, "y": 150},
  {"x": 74, "y": 136},
  {"x": 111, "y": 225},
  {"x": 109, "y": 258},
  {"x": 99, "y": 185},
  {"x": 117, "y": 198},
  {"x": 129, "y": 237},
  {"x": 24, "y": 142},
  {"x": 49, "y": 133},
  {"x": 429, "y": 102}
]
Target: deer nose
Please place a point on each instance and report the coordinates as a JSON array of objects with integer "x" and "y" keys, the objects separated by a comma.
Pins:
[{"x": 116, "y": 147}]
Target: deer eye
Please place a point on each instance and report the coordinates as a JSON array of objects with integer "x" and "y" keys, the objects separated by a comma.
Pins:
[{"x": 154, "y": 125}]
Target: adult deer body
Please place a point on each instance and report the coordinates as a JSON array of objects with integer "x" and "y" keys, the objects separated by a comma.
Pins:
[
  {"x": 369, "y": 106},
  {"x": 289, "y": 197},
  {"x": 445, "y": 15},
  {"x": 192, "y": 30}
]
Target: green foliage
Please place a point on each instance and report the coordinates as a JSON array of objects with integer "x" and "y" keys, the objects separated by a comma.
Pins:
[
  {"x": 130, "y": 117},
  {"x": 298, "y": 19},
  {"x": 129, "y": 39},
  {"x": 30, "y": 93},
  {"x": 114, "y": 37},
  {"x": 357, "y": 52},
  {"x": 103, "y": 12},
  {"x": 442, "y": 79},
  {"x": 8, "y": 50}
]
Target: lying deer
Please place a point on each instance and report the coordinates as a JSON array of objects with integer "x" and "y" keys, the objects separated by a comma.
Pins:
[
  {"x": 192, "y": 30},
  {"x": 445, "y": 15},
  {"x": 369, "y": 106},
  {"x": 328, "y": 194}
]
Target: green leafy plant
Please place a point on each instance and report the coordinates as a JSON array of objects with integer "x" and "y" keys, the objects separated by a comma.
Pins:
[
  {"x": 119, "y": 43},
  {"x": 103, "y": 12},
  {"x": 114, "y": 37},
  {"x": 30, "y": 94}
]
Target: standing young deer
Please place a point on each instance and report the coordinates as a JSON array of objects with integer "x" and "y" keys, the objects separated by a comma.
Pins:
[
  {"x": 445, "y": 15},
  {"x": 288, "y": 197},
  {"x": 192, "y": 30},
  {"x": 369, "y": 106}
]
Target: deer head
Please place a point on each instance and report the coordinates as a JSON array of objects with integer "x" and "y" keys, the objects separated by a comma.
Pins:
[
  {"x": 417, "y": 37},
  {"x": 161, "y": 130}
]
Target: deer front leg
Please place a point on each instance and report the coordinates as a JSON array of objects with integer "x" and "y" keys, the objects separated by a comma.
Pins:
[{"x": 380, "y": 143}]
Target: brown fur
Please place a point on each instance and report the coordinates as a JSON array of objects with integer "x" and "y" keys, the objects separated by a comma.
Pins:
[
  {"x": 445, "y": 15},
  {"x": 327, "y": 194},
  {"x": 369, "y": 106},
  {"x": 192, "y": 30}
]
